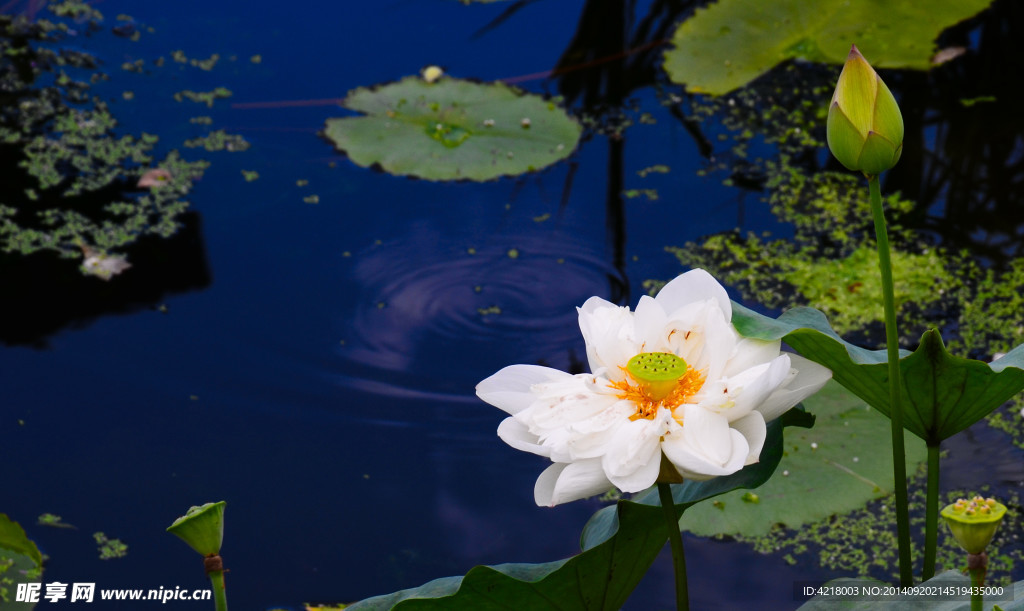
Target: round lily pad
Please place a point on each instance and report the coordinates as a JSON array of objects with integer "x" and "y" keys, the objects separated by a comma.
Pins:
[{"x": 452, "y": 129}]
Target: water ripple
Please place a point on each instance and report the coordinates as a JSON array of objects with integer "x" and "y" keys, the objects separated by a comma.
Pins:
[{"x": 433, "y": 319}]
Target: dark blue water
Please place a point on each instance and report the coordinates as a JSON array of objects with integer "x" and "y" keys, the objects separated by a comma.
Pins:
[{"x": 315, "y": 363}]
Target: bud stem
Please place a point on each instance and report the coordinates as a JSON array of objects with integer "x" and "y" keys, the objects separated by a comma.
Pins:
[
  {"x": 675, "y": 540},
  {"x": 899, "y": 462}
]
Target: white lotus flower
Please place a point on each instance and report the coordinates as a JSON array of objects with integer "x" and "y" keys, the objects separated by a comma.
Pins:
[{"x": 672, "y": 381}]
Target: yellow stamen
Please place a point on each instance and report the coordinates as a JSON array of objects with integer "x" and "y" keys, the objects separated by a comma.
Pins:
[{"x": 647, "y": 406}]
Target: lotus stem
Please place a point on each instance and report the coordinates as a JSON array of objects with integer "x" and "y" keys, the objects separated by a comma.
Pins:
[
  {"x": 220, "y": 598},
  {"x": 214, "y": 565},
  {"x": 899, "y": 463},
  {"x": 675, "y": 539},
  {"x": 977, "y": 566},
  {"x": 931, "y": 515}
]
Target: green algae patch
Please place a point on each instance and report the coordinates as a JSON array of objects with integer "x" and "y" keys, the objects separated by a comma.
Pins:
[
  {"x": 452, "y": 129},
  {"x": 203, "y": 97},
  {"x": 992, "y": 322},
  {"x": 219, "y": 140},
  {"x": 839, "y": 465},
  {"x": 108, "y": 548},
  {"x": 732, "y": 42},
  {"x": 847, "y": 289},
  {"x": 863, "y": 542}
]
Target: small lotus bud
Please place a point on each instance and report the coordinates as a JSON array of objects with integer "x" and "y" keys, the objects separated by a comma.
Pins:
[
  {"x": 202, "y": 528},
  {"x": 974, "y": 525},
  {"x": 865, "y": 127}
]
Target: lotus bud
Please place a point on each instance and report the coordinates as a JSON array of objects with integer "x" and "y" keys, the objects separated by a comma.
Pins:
[
  {"x": 865, "y": 127},
  {"x": 202, "y": 528},
  {"x": 974, "y": 522}
]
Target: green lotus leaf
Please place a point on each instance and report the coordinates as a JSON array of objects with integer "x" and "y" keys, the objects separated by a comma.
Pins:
[
  {"x": 949, "y": 393},
  {"x": 913, "y": 601},
  {"x": 619, "y": 542},
  {"x": 452, "y": 129},
  {"x": 13, "y": 538},
  {"x": 838, "y": 466},
  {"x": 16, "y": 568},
  {"x": 732, "y": 42},
  {"x": 20, "y": 562}
]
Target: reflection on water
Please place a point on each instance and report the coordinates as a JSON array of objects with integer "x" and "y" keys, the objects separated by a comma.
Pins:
[{"x": 44, "y": 283}]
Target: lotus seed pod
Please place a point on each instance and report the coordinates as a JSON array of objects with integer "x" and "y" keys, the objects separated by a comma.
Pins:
[
  {"x": 202, "y": 528},
  {"x": 658, "y": 372},
  {"x": 974, "y": 523}
]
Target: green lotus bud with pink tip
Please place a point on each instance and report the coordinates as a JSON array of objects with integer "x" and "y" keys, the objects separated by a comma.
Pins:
[{"x": 865, "y": 127}]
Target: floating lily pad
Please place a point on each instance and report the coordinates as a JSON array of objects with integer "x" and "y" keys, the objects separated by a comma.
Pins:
[
  {"x": 732, "y": 42},
  {"x": 452, "y": 129},
  {"x": 839, "y": 465}
]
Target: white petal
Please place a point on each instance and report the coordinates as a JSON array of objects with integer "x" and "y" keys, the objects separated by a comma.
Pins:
[
  {"x": 564, "y": 482},
  {"x": 608, "y": 332},
  {"x": 590, "y": 438},
  {"x": 633, "y": 459},
  {"x": 694, "y": 285},
  {"x": 751, "y": 352},
  {"x": 749, "y": 389},
  {"x": 649, "y": 321},
  {"x": 509, "y": 389},
  {"x": 519, "y": 437},
  {"x": 809, "y": 379},
  {"x": 737, "y": 396},
  {"x": 704, "y": 446},
  {"x": 562, "y": 403},
  {"x": 754, "y": 430},
  {"x": 701, "y": 335}
]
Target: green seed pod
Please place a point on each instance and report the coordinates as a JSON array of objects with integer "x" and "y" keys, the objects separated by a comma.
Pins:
[
  {"x": 659, "y": 372},
  {"x": 974, "y": 523},
  {"x": 865, "y": 127},
  {"x": 202, "y": 528}
]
